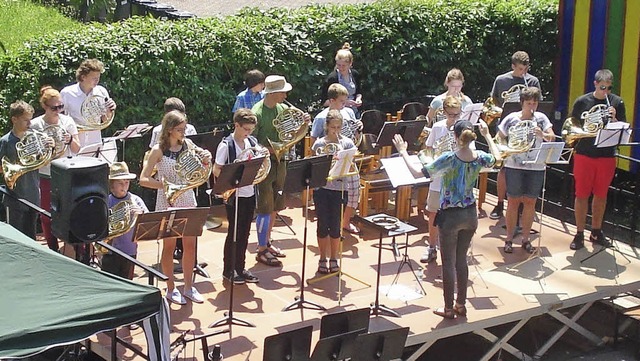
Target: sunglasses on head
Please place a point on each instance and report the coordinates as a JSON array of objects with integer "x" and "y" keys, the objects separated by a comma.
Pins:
[
  {"x": 604, "y": 87},
  {"x": 57, "y": 107}
]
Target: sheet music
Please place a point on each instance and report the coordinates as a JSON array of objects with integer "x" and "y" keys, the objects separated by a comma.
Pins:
[
  {"x": 549, "y": 152},
  {"x": 613, "y": 134},
  {"x": 398, "y": 172},
  {"x": 472, "y": 112},
  {"x": 107, "y": 151},
  {"x": 344, "y": 159}
]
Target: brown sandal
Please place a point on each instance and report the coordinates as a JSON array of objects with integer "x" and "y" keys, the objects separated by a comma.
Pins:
[
  {"x": 445, "y": 312},
  {"x": 460, "y": 310},
  {"x": 265, "y": 257}
]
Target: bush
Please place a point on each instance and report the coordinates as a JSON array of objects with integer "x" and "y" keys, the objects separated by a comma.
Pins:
[{"x": 402, "y": 49}]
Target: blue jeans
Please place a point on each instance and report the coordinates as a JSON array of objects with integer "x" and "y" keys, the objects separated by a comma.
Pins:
[{"x": 457, "y": 226}]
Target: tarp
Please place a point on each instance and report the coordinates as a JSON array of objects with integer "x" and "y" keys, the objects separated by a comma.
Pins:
[{"x": 47, "y": 299}]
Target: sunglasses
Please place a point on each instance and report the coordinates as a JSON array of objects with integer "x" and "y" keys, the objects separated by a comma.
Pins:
[
  {"x": 604, "y": 87},
  {"x": 57, "y": 107}
]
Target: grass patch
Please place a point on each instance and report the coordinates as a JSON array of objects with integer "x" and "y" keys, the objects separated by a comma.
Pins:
[{"x": 21, "y": 20}]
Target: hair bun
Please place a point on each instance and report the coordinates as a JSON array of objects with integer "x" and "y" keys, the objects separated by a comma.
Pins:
[
  {"x": 346, "y": 46},
  {"x": 44, "y": 88}
]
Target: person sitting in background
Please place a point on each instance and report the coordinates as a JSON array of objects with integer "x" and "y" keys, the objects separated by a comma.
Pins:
[{"x": 254, "y": 81}]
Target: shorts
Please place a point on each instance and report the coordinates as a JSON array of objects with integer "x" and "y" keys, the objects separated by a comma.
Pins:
[
  {"x": 524, "y": 182},
  {"x": 593, "y": 175},
  {"x": 433, "y": 201},
  {"x": 352, "y": 186},
  {"x": 270, "y": 195},
  {"x": 328, "y": 212}
]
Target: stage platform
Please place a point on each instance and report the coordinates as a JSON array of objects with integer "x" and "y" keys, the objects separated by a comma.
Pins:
[{"x": 500, "y": 291}]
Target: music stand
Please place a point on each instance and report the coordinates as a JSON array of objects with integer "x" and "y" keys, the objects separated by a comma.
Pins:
[
  {"x": 233, "y": 176},
  {"x": 618, "y": 133},
  {"x": 409, "y": 130},
  {"x": 210, "y": 142},
  {"x": 131, "y": 131},
  {"x": 107, "y": 150},
  {"x": 343, "y": 322},
  {"x": 548, "y": 153},
  {"x": 301, "y": 175},
  {"x": 381, "y": 346},
  {"x": 290, "y": 345},
  {"x": 339, "y": 347}
]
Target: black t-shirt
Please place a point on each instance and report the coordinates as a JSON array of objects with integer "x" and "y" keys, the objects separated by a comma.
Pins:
[{"x": 586, "y": 146}]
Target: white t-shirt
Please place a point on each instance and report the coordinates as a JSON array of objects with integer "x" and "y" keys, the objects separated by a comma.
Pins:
[
  {"x": 155, "y": 133},
  {"x": 73, "y": 97},
  {"x": 67, "y": 124},
  {"x": 438, "y": 131},
  {"x": 516, "y": 161},
  {"x": 317, "y": 128},
  {"x": 436, "y": 103},
  {"x": 222, "y": 154}
]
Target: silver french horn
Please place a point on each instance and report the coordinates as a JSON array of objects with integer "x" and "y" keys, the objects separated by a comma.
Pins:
[{"x": 95, "y": 113}]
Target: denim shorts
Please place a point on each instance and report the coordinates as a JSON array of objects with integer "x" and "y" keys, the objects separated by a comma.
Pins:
[{"x": 524, "y": 182}]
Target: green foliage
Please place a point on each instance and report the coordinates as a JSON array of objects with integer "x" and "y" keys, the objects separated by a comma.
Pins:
[{"x": 403, "y": 49}]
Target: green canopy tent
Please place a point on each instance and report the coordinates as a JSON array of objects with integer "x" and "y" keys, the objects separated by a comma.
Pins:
[{"x": 48, "y": 300}]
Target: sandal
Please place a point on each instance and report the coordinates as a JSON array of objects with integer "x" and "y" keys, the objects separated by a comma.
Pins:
[
  {"x": 351, "y": 229},
  {"x": 265, "y": 257},
  {"x": 508, "y": 247},
  {"x": 460, "y": 310},
  {"x": 445, "y": 312},
  {"x": 333, "y": 266},
  {"x": 322, "y": 267},
  {"x": 277, "y": 252},
  {"x": 526, "y": 245}
]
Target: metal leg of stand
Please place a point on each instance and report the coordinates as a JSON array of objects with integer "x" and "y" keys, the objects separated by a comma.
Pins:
[
  {"x": 228, "y": 318},
  {"x": 407, "y": 261},
  {"x": 299, "y": 301},
  {"x": 614, "y": 249},
  {"x": 392, "y": 246},
  {"x": 471, "y": 256},
  {"x": 285, "y": 223},
  {"x": 376, "y": 307}
]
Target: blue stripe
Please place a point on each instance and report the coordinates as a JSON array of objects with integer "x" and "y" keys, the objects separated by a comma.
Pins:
[
  {"x": 567, "y": 10},
  {"x": 597, "y": 32}
]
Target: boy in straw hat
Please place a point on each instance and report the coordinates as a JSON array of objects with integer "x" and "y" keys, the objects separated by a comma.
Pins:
[{"x": 119, "y": 180}]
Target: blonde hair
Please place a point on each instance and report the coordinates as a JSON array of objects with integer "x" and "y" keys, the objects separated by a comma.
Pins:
[
  {"x": 332, "y": 115},
  {"x": 451, "y": 102},
  {"x": 336, "y": 90},
  {"x": 453, "y": 74},
  {"x": 170, "y": 120},
  {"x": 467, "y": 137},
  {"x": 47, "y": 92},
  {"x": 345, "y": 53}
]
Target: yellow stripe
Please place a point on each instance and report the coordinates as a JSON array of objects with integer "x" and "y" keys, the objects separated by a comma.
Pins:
[
  {"x": 579, "y": 48},
  {"x": 629, "y": 70}
]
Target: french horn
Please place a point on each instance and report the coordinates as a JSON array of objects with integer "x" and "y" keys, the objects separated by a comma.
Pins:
[
  {"x": 513, "y": 94},
  {"x": 519, "y": 140},
  {"x": 593, "y": 120},
  {"x": 191, "y": 171},
  {"x": 122, "y": 217},
  {"x": 95, "y": 113},
  {"x": 351, "y": 130},
  {"x": 490, "y": 111},
  {"x": 291, "y": 127},
  {"x": 33, "y": 151},
  {"x": 446, "y": 143},
  {"x": 58, "y": 134},
  {"x": 263, "y": 172}
]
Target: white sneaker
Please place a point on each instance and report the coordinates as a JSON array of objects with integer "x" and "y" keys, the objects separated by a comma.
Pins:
[
  {"x": 194, "y": 295},
  {"x": 175, "y": 297}
]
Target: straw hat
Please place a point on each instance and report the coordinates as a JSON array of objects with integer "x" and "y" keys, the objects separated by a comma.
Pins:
[
  {"x": 120, "y": 170},
  {"x": 276, "y": 84}
]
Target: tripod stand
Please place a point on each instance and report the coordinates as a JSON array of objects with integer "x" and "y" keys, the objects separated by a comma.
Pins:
[
  {"x": 299, "y": 177},
  {"x": 407, "y": 261},
  {"x": 341, "y": 169},
  {"x": 234, "y": 176}
]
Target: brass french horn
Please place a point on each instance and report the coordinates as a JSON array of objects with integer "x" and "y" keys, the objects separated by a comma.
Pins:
[
  {"x": 519, "y": 140},
  {"x": 446, "y": 143},
  {"x": 191, "y": 170},
  {"x": 95, "y": 113},
  {"x": 490, "y": 111},
  {"x": 33, "y": 153},
  {"x": 513, "y": 94},
  {"x": 122, "y": 217},
  {"x": 291, "y": 127},
  {"x": 593, "y": 120},
  {"x": 263, "y": 172}
]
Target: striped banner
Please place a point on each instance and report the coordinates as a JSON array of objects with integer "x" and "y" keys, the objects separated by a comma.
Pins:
[{"x": 597, "y": 34}]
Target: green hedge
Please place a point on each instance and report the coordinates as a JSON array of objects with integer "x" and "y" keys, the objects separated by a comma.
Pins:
[{"x": 403, "y": 49}]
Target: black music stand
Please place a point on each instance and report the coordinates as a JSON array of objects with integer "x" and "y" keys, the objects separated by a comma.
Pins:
[
  {"x": 334, "y": 348},
  {"x": 381, "y": 346},
  {"x": 389, "y": 229},
  {"x": 107, "y": 150},
  {"x": 290, "y": 345},
  {"x": 130, "y": 132},
  {"x": 169, "y": 224},
  {"x": 343, "y": 322},
  {"x": 300, "y": 177},
  {"x": 409, "y": 130},
  {"x": 210, "y": 142},
  {"x": 234, "y": 176}
]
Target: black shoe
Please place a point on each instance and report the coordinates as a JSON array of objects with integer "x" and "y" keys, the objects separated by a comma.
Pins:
[
  {"x": 577, "y": 243},
  {"x": 496, "y": 213},
  {"x": 248, "y": 277},
  {"x": 430, "y": 255},
  {"x": 599, "y": 239},
  {"x": 177, "y": 254},
  {"x": 237, "y": 279}
]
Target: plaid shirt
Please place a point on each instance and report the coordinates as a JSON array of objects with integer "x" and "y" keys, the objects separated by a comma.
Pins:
[{"x": 247, "y": 99}]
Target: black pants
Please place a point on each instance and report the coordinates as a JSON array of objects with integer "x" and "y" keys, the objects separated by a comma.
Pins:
[
  {"x": 117, "y": 265},
  {"x": 245, "y": 217},
  {"x": 24, "y": 220}
]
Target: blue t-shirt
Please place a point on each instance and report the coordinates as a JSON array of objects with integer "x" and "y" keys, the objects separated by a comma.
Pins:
[{"x": 458, "y": 177}]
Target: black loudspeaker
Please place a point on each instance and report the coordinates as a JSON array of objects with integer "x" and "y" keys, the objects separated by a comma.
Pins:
[{"x": 79, "y": 189}]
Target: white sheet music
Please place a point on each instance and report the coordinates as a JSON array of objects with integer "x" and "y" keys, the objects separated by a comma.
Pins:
[
  {"x": 613, "y": 134},
  {"x": 472, "y": 112},
  {"x": 344, "y": 159},
  {"x": 398, "y": 172},
  {"x": 108, "y": 150}
]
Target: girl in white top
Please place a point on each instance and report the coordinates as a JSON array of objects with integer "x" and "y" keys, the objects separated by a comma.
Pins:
[{"x": 454, "y": 83}]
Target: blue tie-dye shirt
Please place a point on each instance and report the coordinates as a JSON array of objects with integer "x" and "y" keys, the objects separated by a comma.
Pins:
[{"x": 458, "y": 177}]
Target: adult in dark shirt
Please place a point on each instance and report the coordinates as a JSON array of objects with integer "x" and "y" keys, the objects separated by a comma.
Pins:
[
  {"x": 348, "y": 77},
  {"x": 593, "y": 167}
]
